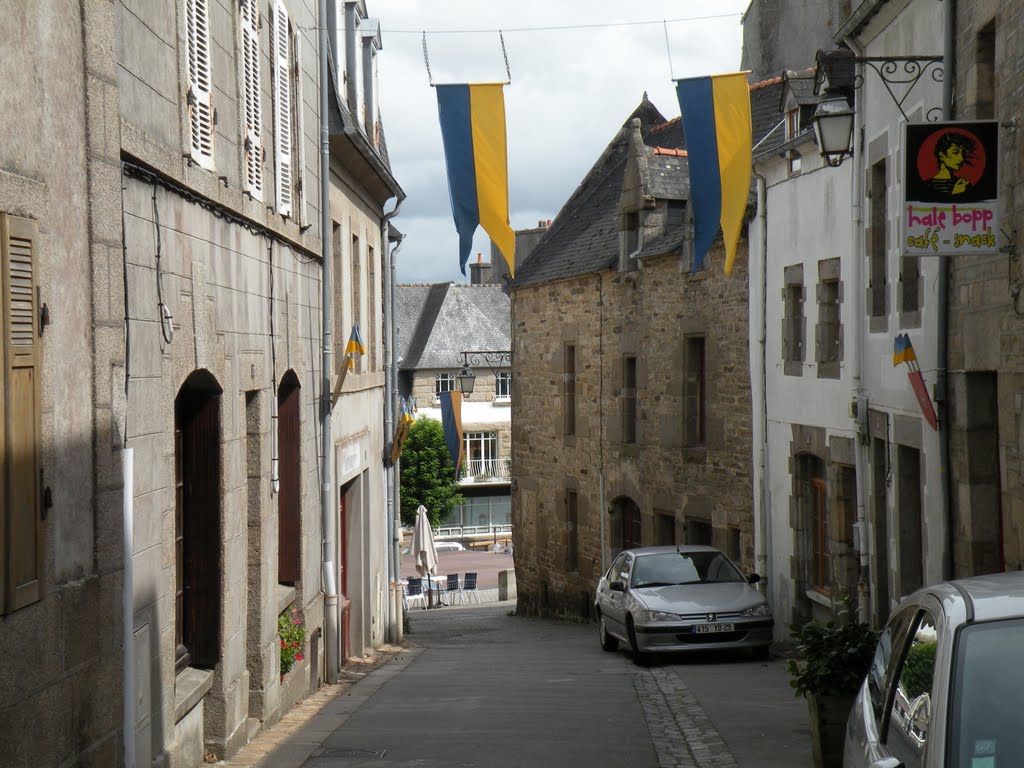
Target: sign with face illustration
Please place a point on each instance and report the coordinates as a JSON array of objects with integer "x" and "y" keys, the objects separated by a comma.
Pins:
[{"x": 951, "y": 186}]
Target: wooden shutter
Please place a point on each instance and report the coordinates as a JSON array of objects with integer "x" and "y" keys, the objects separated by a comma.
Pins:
[
  {"x": 289, "y": 540},
  {"x": 200, "y": 82},
  {"x": 282, "y": 109},
  {"x": 252, "y": 98},
  {"x": 21, "y": 422}
]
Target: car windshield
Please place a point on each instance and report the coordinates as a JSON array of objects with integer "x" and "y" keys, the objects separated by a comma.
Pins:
[
  {"x": 988, "y": 695},
  {"x": 671, "y": 568}
]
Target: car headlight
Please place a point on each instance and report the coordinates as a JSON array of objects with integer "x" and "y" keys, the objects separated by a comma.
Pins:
[
  {"x": 658, "y": 616},
  {"x": 757, "y": 610}
]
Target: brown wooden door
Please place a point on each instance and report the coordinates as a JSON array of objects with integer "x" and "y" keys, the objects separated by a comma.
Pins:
[
  {"x": 289, "y": 544},
  {"x": 346, "y": 637}
]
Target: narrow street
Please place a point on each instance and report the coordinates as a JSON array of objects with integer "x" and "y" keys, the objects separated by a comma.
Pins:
[{"x": 481, "y": 687}]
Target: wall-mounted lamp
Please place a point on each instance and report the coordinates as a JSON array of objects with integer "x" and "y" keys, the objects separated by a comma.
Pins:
[
  {"x": 836, "y": 80},
  {"x": 493, "y": 359}
]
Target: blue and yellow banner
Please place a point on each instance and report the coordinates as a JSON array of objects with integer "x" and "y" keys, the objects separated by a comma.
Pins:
[
  {"x": 903, "y": 350},
  {"x": 405, "y": 420},
  {"x": 451, "y": 422},
  {"x": 716, "y": 120},
  {"x": 473, "y": 131},
  {"x": 354, "y": 347}
]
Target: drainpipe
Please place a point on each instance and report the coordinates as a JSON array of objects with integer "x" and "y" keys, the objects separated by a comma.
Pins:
[
  {"x": 862, "y": 444},
  {"x": 763, "y": 524},
  {"x": 127, "y": 605},
  {"x": 393, "y": 603},
  {"x": 942, "y": 352},
  {"x": 328, "y": 518}
]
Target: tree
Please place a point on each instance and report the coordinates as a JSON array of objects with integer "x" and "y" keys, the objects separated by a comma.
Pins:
[{"x": 427, "y": 473}]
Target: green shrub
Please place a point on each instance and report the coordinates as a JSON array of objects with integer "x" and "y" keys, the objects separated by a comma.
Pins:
[
  {"x": 832, "y": 659},
  {"x": 916, "y": 677}
]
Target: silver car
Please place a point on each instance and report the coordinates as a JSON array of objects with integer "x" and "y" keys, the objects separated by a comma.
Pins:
[
  {"x": 946, "y": 687},
  {"x": 680, "y": 598}
]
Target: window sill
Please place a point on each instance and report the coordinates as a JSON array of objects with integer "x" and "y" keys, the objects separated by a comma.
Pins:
[
  {"x": 190, "y": 686},
  {"x": 285, "y": 597}
]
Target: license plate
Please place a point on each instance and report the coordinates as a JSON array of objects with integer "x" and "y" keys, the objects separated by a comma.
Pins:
[{"x": 713, "y": 628}]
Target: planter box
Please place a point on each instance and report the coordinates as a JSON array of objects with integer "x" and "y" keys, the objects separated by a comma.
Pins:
[{"x": 828, "y": 728}]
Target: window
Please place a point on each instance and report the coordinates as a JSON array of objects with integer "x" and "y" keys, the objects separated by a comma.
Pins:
[
  {"x": 371, "y": 309},
  {"x": 910, "y": 720},
  {"x": 985, "y": 73},
  {"x": 694, "y": 395},
  {"x": 630, "y": 232},
  {"x": 21, "y": 526},
  {"x": 283, "y": 131},
  {"x": 878, "y": 241},
  {"x": 503, "y": 386},
  {"x": 793, "y": 321},
  {"x": 198, "y": 570},
  {"x": 698, "y": 531},
  {"x": 341, "y": 333},
  {"x": 792, "y": 123},
  {"x": 811, "y": 522},
  {"x": 732, "y": 548},
  {"x": 572, "y": 560},
  {"x": 289, "y": 495},
  {"x": 200, "y": 82},
  {"x": 624, "y": 527},
  {"x": 298, "y": 125},
  {"x": 664, "y": 528},
  {"x": 569, "y": 391},
  {"x": 252, "y": 99},
  {"x": 356, "y": 283},
  {"x": 909, "y": 513},
  {"x": 444, "y": 382},
  {"x": 629, "y": 400},
  {"x": 820, "y": 556},
  {"x": 828, "y": 333},
  {"x": 910, "y": 278},
  {"x": 481, "y": 451}
]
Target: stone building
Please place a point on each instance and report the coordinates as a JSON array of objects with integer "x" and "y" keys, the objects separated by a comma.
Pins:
[
  {"x": 435, "y": 325},
  {"x": 61, "y": 531},
  {"x": 178, "y": 331},
  {"x": 631, "y": 401}
]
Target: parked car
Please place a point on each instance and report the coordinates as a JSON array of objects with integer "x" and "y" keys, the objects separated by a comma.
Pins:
[
  {"x": 680, "y": 598},
  {"x": 946, "y": 687},
  {"x": 448, "y": 546}
]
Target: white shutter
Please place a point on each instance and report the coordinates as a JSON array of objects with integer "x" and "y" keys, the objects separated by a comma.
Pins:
[
  {"x": 282, "y": 110},
  {"x": 252, "y": 99},
  {"x": 200, "y": 83}
]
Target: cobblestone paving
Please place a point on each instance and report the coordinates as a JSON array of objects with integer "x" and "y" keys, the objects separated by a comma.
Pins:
[{"x": 682, "y": 733}]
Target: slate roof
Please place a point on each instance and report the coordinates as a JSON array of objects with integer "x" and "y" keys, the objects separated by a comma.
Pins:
[
  {"x": 583, "y": 238},
  {"x": 766, "y": 114},
  {"x": 436, "y": 322}
]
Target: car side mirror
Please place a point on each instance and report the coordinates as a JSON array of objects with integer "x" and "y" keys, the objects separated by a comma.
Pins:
[
  {"x": 754, "y": 578},
  {"x": 617, "y": 586}
]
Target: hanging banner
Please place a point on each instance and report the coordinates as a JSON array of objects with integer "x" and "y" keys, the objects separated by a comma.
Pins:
[
  {"x": 951, "y": 188},
  {"x": 903, "y": 352}
]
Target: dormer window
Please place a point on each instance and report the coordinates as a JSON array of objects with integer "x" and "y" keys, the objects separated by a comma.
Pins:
[{"x": 792, "y": 123}]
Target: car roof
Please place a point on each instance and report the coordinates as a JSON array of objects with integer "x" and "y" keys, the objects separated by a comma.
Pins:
[
  {"x": 672, "y": 548},
  {"x": 993, "y": 596}
]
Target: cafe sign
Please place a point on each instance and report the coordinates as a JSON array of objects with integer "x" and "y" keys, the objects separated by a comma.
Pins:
[{"x": 951, "y": 183}]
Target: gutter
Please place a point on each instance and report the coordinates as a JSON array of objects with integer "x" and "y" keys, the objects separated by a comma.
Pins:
[{"x": 762, "y": 564}]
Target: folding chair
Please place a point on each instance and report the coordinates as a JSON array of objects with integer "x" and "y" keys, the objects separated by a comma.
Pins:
[
  {"x": 469, "y": 586},
  {"x": 413, "y": 590},
  {"x": 452, "y": 588}
]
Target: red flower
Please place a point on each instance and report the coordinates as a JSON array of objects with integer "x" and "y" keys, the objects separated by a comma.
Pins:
[
  {"x": 295, "y": 645},
  {"x": 283, "y": 645},
  {"x": 298, "y": 657},
  {"x": 296, "y": 622}
]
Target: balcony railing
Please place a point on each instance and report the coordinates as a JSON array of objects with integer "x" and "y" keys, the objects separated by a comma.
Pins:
[{"x": 482, "y": 470}]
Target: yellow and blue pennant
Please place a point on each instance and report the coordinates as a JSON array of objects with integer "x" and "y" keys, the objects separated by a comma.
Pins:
[
  {"x": 716, "y": 121},
  {"x": 473, "y": 132},
  {"x": 354, "y": 347}
]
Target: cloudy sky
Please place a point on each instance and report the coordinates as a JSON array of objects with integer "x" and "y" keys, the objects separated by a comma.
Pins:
[{"x": 578, "y": 67}]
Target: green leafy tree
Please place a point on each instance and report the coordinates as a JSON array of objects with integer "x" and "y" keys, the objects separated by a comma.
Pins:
[{"x": 427, "y": 473}]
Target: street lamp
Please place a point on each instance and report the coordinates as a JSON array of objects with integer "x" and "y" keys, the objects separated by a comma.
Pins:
[
  {"x": 493, "y": 359},
  {"x": 836, "y": 80}
]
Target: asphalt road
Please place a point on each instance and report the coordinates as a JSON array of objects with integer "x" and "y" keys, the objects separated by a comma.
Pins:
[{"x": 479, "y": 686}]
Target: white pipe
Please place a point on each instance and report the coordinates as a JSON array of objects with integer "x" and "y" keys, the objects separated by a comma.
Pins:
[
  {"x": 127, "y": 604},
  {"x": 328, "y": 518},
  {"x": 763, "y": 525}
]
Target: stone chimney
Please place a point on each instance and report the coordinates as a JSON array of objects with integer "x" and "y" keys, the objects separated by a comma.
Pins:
[{"x": 480, "y": 272}]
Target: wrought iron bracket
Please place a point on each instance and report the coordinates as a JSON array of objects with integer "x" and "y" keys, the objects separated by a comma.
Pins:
[
  {"x": 899, "y": 74},
  {"x": 493, "y": 359}
]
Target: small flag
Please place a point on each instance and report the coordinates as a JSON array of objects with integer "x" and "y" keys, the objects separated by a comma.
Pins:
[
  {"x": 405, "y": 420},
  {"x": 473, "y": 132},
  {"x": 903, "y": 352},
  {"x": 716, "y": 121},
  {"x": 354, "y": 347},
  {"x": 451, "y": 422}
]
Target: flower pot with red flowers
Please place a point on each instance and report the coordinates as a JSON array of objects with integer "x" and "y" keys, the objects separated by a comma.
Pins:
[{"x": 292, "y": 633}]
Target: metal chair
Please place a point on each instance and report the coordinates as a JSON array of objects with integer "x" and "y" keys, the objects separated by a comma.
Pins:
[
  {"x": 452, "y": 588},
  {"x": 468, "y": 590},
  {"x": 412, "y": 591}
]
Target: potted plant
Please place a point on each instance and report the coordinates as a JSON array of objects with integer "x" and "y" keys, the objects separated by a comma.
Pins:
[
  {"x": 293, "y": 639},
  {"x": 831, "y": 662}
]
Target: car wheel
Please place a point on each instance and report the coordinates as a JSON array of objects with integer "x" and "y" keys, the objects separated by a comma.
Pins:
[
  {"x": 761, "y": 653},
  {"x": 639, "y": 657},
  {"x": 608, "y": 643}
]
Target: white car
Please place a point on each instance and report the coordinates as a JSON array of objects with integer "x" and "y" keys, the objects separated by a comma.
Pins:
[
  {"x": 449, "y": 546},
  {"x": 946, "y": 686},
  {"x": 682, "y": 598}
]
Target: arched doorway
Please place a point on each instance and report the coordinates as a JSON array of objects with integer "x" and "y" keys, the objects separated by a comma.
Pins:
[
  {"x": 289, "y": 495},
  {"x": 197, "y": 522}
]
